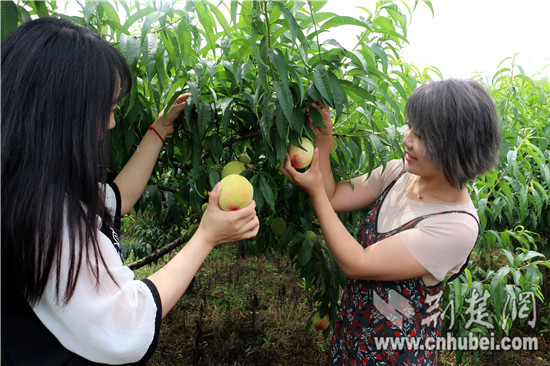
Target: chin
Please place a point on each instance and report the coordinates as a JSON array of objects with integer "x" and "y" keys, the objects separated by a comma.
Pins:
[{"x": 410, "y": 167}]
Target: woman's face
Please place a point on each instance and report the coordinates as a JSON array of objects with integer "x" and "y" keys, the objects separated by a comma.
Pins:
[{"x": 416, "y": 157}]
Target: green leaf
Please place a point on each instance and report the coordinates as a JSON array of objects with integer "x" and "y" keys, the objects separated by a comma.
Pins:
[
  {"x": 258, "y": 196},
  {"x": 526, "y": 256},
  {"x": 338, "y": 94},
  {"x": 209, "y": 25},
  {"x": 185, "y": 41},
  {"x": 112, "y": 14},
  {"x": 285, "y": 101},
  {"x": 204, "y": 117},
  {"x": 509, "y": 256},
  {"x": 322, "y": 83},
  {"x": 267, "y": 192},
  {"x": 149, "y": 20},
  {"x": 41, "y": 9},
  {"x": 314, "y": 93},
  {"x": 458, "y": 298},
  {"x": 129, "y": 48},
  {"x": 316, "y": 117},
  {"x": 295, "y": 29},
  {"x": 306, "y": 250},
  {"x": 225, "y": 106},
  {"x": 8, "y": 21},
  {"x": 498, "y": 289},
  {"x": 173, "y": 53},
  {"x": 533, "y": 278},
  {"x": 149, "y": 50},
  {"x": 281, "y": 123},
  {"x": 379, "y": 147},
  {"x": 340, "y": 20},
  {"x": 216, "y": 147},
  {"x": 266, "y": 118},
  {"x": 355, "y": 90},
  {"x": 280, "y": 148},
  {"x": 221, "y": 18},
  {"x": 378, "y": 50},
  {"x": 279, "y": 62},
  {"x": 135, "y": 17}
]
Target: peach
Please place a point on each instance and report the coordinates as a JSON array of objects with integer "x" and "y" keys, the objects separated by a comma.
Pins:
[
  {"x": 320, "y": 324},
  {"x": 278, "y": 225},
  {"x": 236, "y": 192},
  {"x": 233, "y": 167},
  {"x": 301, "y": 157}
]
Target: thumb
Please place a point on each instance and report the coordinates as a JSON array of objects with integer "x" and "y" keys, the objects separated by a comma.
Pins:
[
  {"x": 315, "y": 160},
  {"x": 214, "y": 195}
]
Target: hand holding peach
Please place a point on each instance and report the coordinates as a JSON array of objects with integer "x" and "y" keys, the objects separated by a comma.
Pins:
[{"x": 219, "y": 226}]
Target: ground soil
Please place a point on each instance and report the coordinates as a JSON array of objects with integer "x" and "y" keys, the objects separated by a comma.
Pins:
[{"x": 255, "y": 312}]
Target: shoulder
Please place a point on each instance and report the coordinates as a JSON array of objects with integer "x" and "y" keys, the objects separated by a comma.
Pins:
[
  {"x": 391, "y": 170},
  {"x": 460, "y": 225},
  {"x": 382, "y": 176},
  {"x": 442, "y": 242}
]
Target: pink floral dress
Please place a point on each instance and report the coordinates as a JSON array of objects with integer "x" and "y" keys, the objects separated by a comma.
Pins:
[{"x": 373, "y": 311}]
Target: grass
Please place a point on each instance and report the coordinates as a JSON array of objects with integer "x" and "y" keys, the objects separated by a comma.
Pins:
[
  {"x": 248, "y": 311},
  {"x": 240, "y": 311}
]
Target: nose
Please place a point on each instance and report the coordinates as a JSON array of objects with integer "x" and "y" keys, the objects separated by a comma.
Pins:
[{"x": 406, "y": 137}]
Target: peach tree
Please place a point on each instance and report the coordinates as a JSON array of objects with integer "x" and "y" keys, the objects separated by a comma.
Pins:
[{"x": 252, "y": 67}]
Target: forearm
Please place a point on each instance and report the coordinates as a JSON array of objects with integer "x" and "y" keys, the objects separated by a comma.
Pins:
[
  {"x": 173, "y": 279},
  {"x": 345, "y": 249},
  {"x": 323, "y": 143},
  {"x": 133, "y": 178}
]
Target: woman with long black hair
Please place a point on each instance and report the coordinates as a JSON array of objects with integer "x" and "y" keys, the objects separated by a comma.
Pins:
[{"x": 67, "y": 297}]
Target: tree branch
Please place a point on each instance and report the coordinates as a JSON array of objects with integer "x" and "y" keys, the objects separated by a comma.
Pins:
[{"x": 158, "y": 253}]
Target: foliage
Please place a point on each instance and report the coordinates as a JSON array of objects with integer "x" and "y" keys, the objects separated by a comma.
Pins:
[
  {"x": 251, "y": 68},
  {"x": 513, "y": 202}
]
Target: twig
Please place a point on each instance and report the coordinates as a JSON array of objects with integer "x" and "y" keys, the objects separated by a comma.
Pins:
[{"x": 158, "y": 253}]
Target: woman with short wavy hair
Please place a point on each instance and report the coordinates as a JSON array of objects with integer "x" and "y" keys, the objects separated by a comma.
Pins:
[{"x": 421, "y": 228}]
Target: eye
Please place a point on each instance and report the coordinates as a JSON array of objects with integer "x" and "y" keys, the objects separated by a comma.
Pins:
[{"x": 415, "y": 132}]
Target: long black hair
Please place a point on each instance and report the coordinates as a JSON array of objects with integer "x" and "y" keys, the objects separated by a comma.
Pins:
[{"x": 60, "y": 82}]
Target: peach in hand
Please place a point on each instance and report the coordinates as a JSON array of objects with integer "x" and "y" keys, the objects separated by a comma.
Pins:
[
  {"x": 300, "y": 157},
  {"x": 236, "y": 192}
]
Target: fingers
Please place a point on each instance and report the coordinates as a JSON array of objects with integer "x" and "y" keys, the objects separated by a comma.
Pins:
[
  {"x": 251, "y": 228},
  {"x": 315, "y": 160},
  {"x": 245, "y": 222},
  {"x": 214, "y": 196},
  {"x": 286, "y": 167},
  {"x": 182, "y": 98}
]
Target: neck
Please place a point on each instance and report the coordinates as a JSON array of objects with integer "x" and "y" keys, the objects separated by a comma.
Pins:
[{"x": 434, "y": 186}]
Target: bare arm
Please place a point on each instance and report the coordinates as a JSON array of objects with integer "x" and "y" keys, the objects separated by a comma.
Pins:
[
  {"x": 387, "y": 260},
  {"x": 133, "y": 178},
  {"x": 216, "y": 227},
  {"x": 343, "y": 196}
]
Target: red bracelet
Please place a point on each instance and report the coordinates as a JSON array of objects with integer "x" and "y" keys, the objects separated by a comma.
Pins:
[{"x": 158, "y": 134}]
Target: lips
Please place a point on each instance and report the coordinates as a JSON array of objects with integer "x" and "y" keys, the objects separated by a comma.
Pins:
[{"x": 409, "y": 157}]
